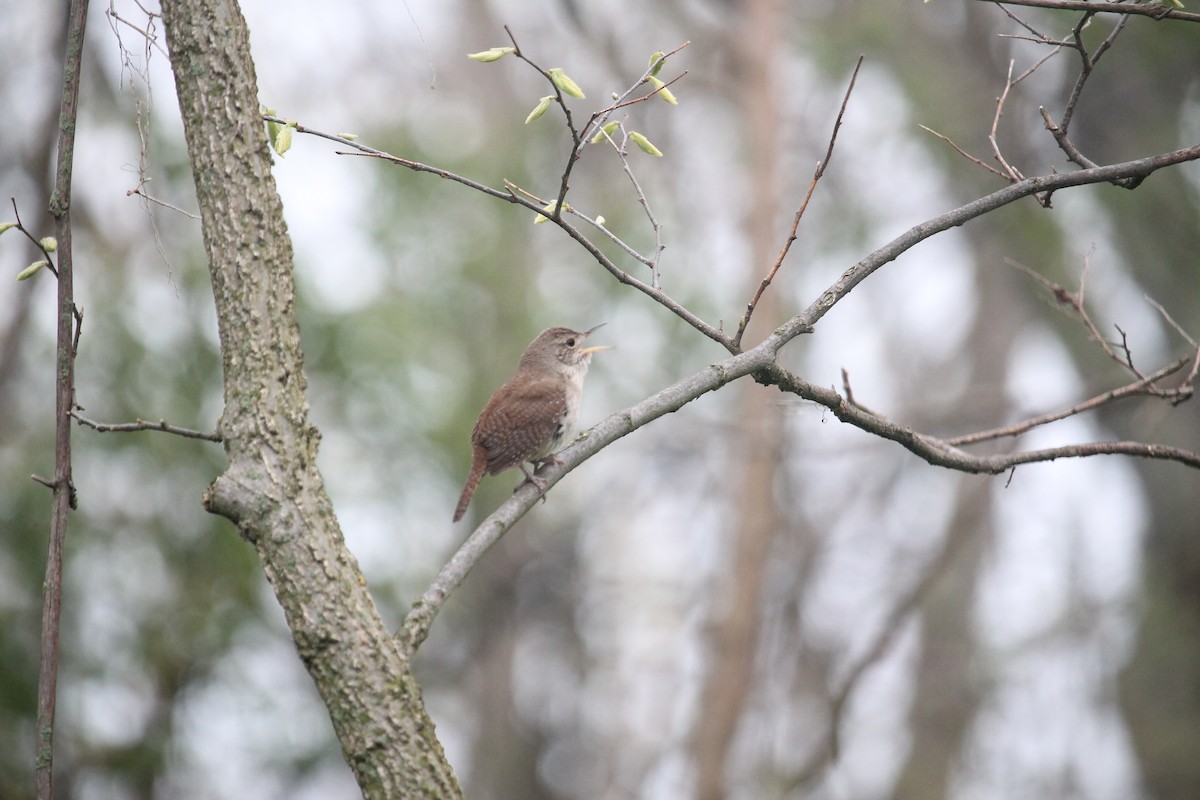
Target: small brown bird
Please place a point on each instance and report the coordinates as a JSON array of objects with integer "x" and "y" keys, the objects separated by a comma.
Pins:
[{"x": 534, "y": 412}]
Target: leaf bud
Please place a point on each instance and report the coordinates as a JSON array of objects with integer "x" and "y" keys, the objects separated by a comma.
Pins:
[
  {"x": 663, "y": 91},
  {"x": 644, "y": 144},
  {"x": 657, "y": 59},
  {"x": 541, "y": 108},
  {"x": 494, "y": 54},
  {"x": 564, "y": 83},
  {"x": 29, "y": 271},
  {"x": 606, "y": 131}
]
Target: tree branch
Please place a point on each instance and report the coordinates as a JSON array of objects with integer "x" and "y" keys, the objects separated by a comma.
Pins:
[
  {"x": 1156, "y": 12},
  {"x": 142, "y": 425},
  {"x": 64, "y": 401},
  {"x": 812, "y": 185},
  {"x": 760, "y": 361},
  {"x": 941, "y": 453}
]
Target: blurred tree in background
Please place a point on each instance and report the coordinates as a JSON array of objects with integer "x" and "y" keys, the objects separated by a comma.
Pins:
[{"x": 710, "y": 606}]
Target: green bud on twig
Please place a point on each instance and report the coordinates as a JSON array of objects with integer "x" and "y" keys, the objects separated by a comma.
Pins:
[
  {"x": 605, "y": 132},
  {"x": 549, "y": 209},
  {"x": 49, "y": 244},
  {"x": 540, "y": 108},
  {"x": 29, "y": 271},
  {"x": 564, "y": 83},
  {"x": 494, "y": 54},
  {"x": 663, "y": 91},
  {"x": 657, "y": 59},
  {"x": 644, "y": 144}
]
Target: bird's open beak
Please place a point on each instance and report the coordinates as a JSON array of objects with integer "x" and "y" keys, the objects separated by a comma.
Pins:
[{"x": 594, "y": 348}]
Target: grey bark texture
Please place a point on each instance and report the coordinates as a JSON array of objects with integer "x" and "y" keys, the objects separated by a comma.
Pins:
[{"x": 271, "y": 489}]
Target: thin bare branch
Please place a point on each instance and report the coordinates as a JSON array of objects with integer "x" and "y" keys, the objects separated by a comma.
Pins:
[
  {"x": 1191, "y": 376},
  {"x": 63, "y": 486},
  {"x": 812, "y": 185},
  {"x": 143, "y": 425},
  {"x": 622, "y": 153},
  {"x": 1143, "y": 386},
  {"x": 1075, "y": 302},
  {"x": 1154, "y": 11},
  {"x": 940, "y": 452},
  {"x": 977, "y": 161}
]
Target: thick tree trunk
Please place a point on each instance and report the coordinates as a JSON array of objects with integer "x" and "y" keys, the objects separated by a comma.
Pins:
[{"x": 272, "y": 490}]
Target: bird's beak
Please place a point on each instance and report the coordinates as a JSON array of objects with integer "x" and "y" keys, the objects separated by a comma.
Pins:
[{"x": 595, "y": 348}]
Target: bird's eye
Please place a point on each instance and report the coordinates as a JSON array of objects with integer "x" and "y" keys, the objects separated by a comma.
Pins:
[{"x": 571, "y": 342}]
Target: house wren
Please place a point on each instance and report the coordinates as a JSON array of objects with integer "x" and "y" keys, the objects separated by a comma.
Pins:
[{"x": 534, "y": 412}]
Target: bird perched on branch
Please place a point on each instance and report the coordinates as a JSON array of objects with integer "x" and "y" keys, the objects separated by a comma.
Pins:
[{"x": 534, "y": 413}]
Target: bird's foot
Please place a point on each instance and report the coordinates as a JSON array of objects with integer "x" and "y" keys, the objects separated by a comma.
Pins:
[{"x": 531, "y": 477}]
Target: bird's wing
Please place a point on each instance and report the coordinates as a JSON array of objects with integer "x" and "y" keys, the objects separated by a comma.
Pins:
[{"x": 520, "y": 421}]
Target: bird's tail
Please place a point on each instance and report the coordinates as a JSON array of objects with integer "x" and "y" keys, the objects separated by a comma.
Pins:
[{"x": 478, "y": 466}]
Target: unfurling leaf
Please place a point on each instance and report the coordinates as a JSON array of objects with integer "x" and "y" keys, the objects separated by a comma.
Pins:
[
  {"x": 657, "y": 59},
  {"x": 7, "y": 226},
  {"x": 29, "y": 271},
  {"x": 49, "y": 244},
  {"x": 605, "y": 132},
  {"x": 663, "y": 91},
  {"x": 494, "y": 54},
  {"x": 549, "y": 209},
  {"x": 283, "y": 139},
  {"x": 540, "y": 108},
  {"x": 644, "y": 144},
  {"x": 564, "y": 83}
]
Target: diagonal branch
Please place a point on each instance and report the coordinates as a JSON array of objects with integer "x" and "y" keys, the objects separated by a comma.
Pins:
[
  {"x": 510, "y": 196},
  {"x": 1142, "y": 386},
  {"x": 812, "y": 185},
  {"x": 759, "y": 361}
]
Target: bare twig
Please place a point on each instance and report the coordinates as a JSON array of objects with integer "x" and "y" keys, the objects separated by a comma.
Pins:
[
  {"x": 1088, "y": 62},
  {"x": 1013, "y": 174},
  {"x": 143, "y": 425},
  {"x": 1107, "y": 7},
  {"x": 1075, "y": 302},
  {"x": 643, "y": 201},
  {"x": 941, "y": 452},
  {"x": 1188, "y": 381},
  {"x": 812, "y": 185},
  {"x": 143, "y": 107},
  {"x": 977, "y": 161},
  {"x": 64, "y": 400},
  {"x": 1143, "y": 386},
  {"x": 1157, "y": 12}
]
